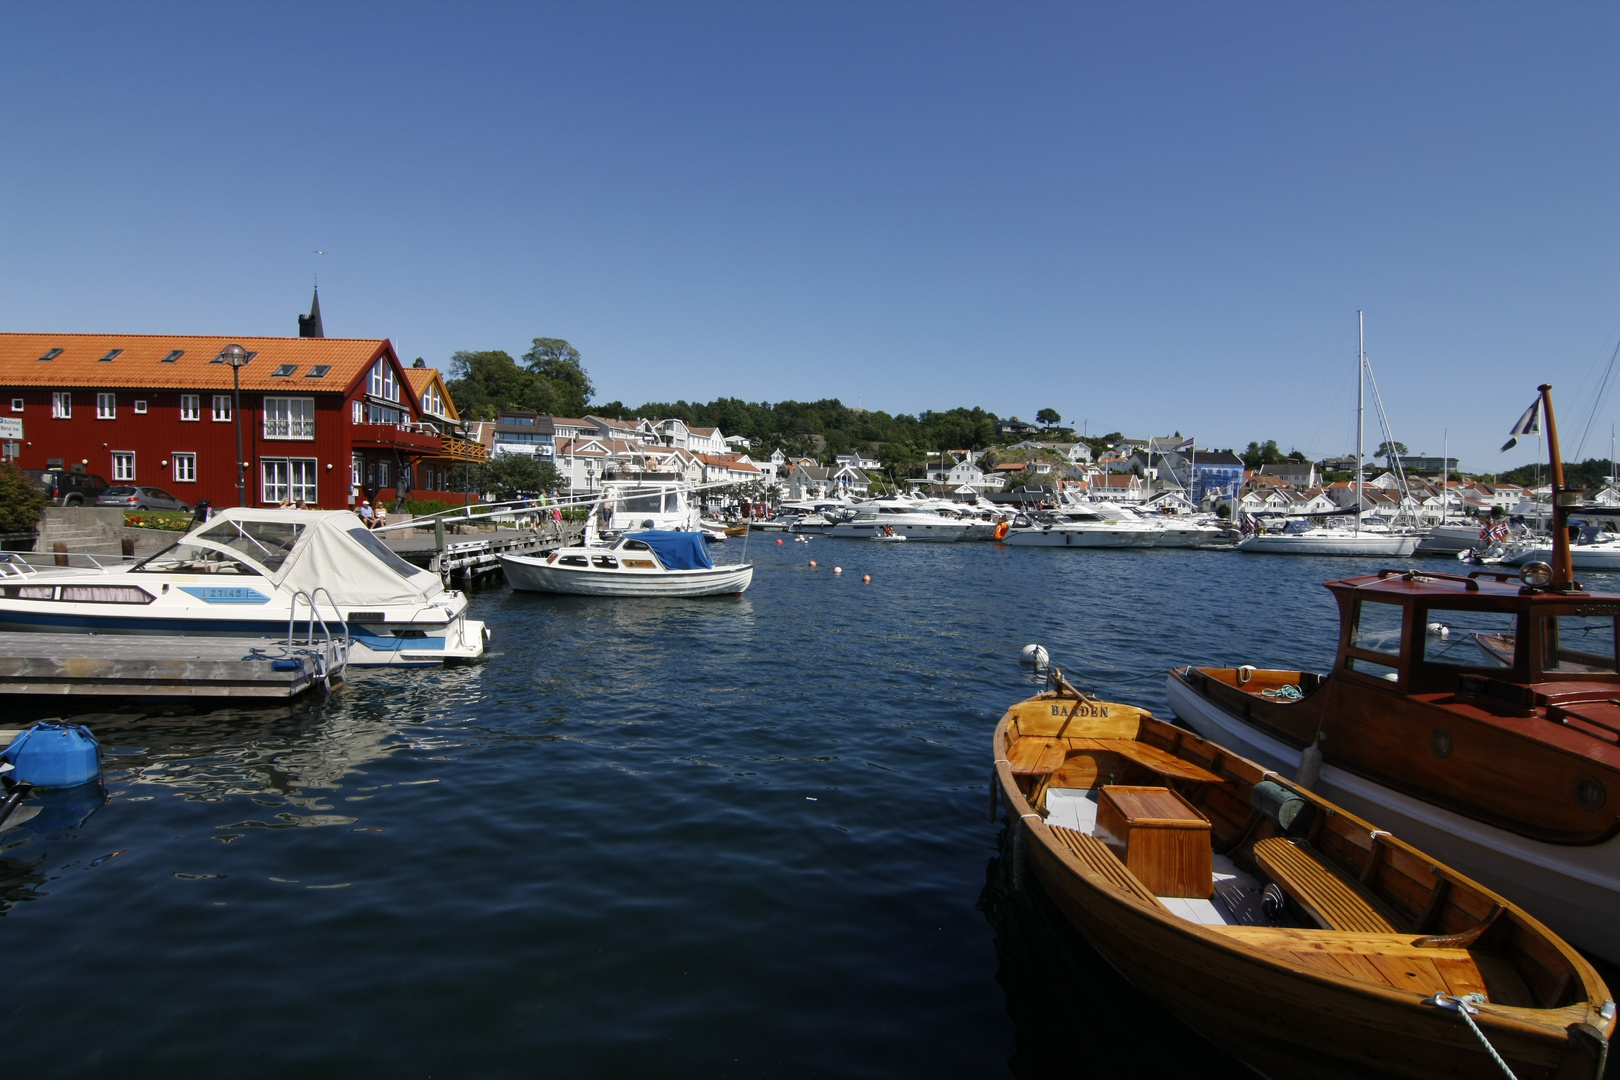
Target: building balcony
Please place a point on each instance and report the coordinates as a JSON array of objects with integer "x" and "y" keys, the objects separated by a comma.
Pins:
[
  {"x": 456, "y": 449},
  {"x": 420, "y": 439}
]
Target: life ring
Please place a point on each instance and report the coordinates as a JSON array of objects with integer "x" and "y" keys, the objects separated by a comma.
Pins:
[
  {"x": 1244, "y": 674},
  {"x": 1001, "y": 530}
]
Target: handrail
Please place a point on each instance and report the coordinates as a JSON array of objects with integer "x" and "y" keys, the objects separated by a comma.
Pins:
[
  {"x": 348, "y": 638},
  {"x": 329, "y": 654},
  {"x": 1430, "y": 575}
]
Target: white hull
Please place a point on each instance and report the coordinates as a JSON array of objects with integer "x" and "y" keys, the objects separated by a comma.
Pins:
[
  {"x": 940, "y": 532},
  {"x": 1393, "y": 545},
  {"x": 1604, "y": 556},
  {"x": 1080, "y": 537},
  {"x": 534, "y": 575},
  {"x": 1450, "y": 540},
  {"x": 1189, "y": 536},
  {"x": 1575, "y": 890}
]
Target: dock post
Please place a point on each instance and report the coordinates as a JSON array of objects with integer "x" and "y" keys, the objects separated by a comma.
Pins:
[{"x": 438, "y": 534}]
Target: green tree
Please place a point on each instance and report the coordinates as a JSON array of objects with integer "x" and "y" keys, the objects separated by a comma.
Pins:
[
  {"x": 485, "y": 382},
  {"x": 1048, "y": 417},
  {"x": 898, "y": 457},
  {"x": 21, "y": 500},
  {"x": 1259, "y": 454},
  {"x": 1390, "y": 449},
  {"x": 516, "y": 476},
  {"x": 557, "y": 362},
  {"x": 420, "y": 363}
]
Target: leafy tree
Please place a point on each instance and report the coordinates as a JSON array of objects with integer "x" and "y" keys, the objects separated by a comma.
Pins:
[
  {"x": 898, "y": 458},
  {"x": 1390, "y": 449},
  {"x": 420, "y": 363},
  {"x": 516, "y": 476},
  {"x": 21, "y": 500},
  {"x": 557, "y": 362},
  {"x": 484, "y": 383},
  {"x": 1048, "y": 417},
  {"x": 1259, "y": 454}
]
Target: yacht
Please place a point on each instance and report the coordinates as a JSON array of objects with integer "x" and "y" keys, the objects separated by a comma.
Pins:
[
  {"x": 903, "y": 516},
  {"x": 251, "y": 573},
  {"x": 1094, "y": 525}
]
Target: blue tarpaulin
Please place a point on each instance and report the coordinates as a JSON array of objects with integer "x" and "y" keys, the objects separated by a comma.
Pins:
[{"x": 677, "y": 550}]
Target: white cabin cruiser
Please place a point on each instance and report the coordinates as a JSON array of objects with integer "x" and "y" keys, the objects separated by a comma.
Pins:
[
  {"x": 903, "y": 516},
  {"x": 248, "y": 573},
  {"x": 1303, "y": 539},
  {"x": 1096, "y": 525},
  {"x": 651, "y": 563}
]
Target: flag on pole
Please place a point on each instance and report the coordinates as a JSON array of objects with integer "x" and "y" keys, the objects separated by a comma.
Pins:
[{"x": 1529, "y": 424}]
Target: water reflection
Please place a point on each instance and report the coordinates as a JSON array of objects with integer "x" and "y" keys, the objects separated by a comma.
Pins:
[{"x": 1072, "y": 1012}]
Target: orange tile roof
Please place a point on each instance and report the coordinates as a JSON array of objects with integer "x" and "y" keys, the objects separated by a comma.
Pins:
[
  {"x": 139, "y": 365},
  {"x": 419, "y": 379}
]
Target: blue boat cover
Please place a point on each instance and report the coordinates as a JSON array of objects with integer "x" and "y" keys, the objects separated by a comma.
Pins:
[{"x": 677, "y": 550}]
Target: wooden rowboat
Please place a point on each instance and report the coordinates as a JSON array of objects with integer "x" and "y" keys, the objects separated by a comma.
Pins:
[{"x": 1283, "y": 928}]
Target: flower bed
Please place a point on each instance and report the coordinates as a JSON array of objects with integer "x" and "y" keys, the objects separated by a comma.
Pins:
[{"x": 168, "y": 520}]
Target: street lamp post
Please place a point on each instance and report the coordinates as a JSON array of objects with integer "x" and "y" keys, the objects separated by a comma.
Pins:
[{"x": 237, "y": 357}]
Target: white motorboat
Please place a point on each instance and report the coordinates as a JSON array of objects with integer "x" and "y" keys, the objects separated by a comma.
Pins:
[
  {"x": 249, "y": 573},
  {"x": 1186, "y": 530},
  {"x": 903, "y": 516},
  {"x": 651, "y": 563},
  {"x": 625, "y": 506},
  {"x": 1094, "y": 525},
  {"x": 1594, "y": 549}
]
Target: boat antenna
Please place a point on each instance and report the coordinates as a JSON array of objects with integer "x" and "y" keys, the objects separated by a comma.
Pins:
[{"x": 1563, "y": 577}]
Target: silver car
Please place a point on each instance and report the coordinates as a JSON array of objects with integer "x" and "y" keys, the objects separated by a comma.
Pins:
[{"x": 139, "y": 498}]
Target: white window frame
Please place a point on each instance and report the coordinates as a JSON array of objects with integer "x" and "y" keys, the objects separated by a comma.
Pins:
[
  {"x": 140, "y": 406},
  {"x": 106, "y": 406},
  {"x": 382, "y": 474},
  {"x": 17, "y": 404},
  {"x": 222, "y": 408},
  {"x": 382, "y": 382},
  {"x": 289, "y": 418},
  {"x": 185, "y": 467},
  {"x": 123, "y": 466},
  {"x": 283, "y": 478},
  {"x": 191, "y": 407},
  {"x": 432, "y": 403},
  {"x": 358, "y": 413},
  {"x": 62, "y": 405}
]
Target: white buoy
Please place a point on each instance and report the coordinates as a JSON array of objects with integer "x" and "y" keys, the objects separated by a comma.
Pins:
[
  {"x": 838, "y": 569},
  {"x": 1033, "y": 656}
]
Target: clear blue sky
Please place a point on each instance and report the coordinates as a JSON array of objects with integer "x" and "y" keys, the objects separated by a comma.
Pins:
[{"x": 1152, "y": 217}]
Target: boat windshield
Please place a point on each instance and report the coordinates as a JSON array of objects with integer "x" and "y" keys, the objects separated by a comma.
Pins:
[
  {"x": 1578, "y": 643},
  {"x": 184, "y": 558},
  {"x": 1463, "y": 638},
  {"x": 267, "y": 543},
  {"x": 366, "y": 539}
]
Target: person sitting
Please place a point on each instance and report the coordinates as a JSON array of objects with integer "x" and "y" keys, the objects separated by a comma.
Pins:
[
  {"x": 364, "y": 512},
  {"x": 379, "y": 516}
]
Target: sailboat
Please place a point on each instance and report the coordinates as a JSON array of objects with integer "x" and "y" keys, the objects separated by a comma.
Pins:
[{"x": 1358, "y": 539}]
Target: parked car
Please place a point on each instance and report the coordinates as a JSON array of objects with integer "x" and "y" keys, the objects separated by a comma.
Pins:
[
  {"x": 68, "y": 488},
  {"x": 140, "y": 498}
]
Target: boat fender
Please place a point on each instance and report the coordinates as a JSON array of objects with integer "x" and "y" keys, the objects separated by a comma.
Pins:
[
  {"x": 1001, "y": 530},
  {"x": 1244, "y": 674},
  {"x": 50, "y": 755},
  {"x": 1310, "y": 764},
  {"x": 1034, "y": 657},
  {"x": 1291, "y": 813}
]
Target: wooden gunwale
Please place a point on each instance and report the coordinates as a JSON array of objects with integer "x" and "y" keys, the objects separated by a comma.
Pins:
[{"x": 1266, "y": 1006}]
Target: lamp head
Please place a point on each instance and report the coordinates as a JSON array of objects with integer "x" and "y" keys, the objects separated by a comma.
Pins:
[{"x": 235, "y": 355}]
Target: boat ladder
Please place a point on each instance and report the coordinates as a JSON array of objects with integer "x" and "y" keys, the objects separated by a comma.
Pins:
[{"x": 331, "y": 654}]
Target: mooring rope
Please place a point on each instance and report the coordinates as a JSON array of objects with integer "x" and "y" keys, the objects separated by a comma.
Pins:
[{"x": 1465, "y": 1009}]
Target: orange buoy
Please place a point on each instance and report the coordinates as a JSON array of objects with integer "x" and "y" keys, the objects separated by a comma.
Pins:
[
  {"x": 866, "y": 578},
  {"x": 779, "y": 541},
  {"x": 1001, "y": 531},
  {"x": 812, "y": 563}
]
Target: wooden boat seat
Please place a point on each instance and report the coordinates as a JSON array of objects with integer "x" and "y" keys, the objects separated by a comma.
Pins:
[
  {"x": 1330, "y": 900},
  {"x": 1095, "y": 856},
  {"x": 1396, "y": 962},
  {"x": 1152, "y": 758}
]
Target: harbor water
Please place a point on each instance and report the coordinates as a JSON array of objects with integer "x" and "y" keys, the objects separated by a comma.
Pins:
[{"x": 684, "y": 838}]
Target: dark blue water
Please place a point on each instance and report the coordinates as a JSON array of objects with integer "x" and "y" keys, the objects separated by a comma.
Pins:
[{"x": 730, "y": 837}]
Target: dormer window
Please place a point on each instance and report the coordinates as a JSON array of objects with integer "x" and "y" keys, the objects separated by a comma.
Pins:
[
  {"x": 51, "y": 354},
  {"x": 318, "y": 371},
  {"x": 174, "y": 354},
  {"x": 112, "y": 354},
  {"x": 284, "y": 371}
]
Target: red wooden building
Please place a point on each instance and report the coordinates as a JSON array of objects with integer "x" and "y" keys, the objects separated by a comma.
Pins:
[{"x": 324, "y": 420}]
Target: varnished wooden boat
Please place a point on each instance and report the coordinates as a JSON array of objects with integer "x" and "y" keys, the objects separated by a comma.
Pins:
[
  {"x": 1477, "y": 716},
  {"x": 1160, "y": 847}
]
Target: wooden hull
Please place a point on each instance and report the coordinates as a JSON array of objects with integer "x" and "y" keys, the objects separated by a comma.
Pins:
[
  {"x": 1573, "y": 888},
  {"x": 1286, "y": 1012}
]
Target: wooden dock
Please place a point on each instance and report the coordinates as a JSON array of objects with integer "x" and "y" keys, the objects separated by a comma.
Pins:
[
  {"x": 142, "y": 665},
  {"x": 465, "y": 559}
]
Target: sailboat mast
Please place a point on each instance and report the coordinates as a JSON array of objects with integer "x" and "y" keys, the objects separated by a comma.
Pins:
[
  {"x": 1361, "y": 386},
  {"x": 1445, "y": 476}
]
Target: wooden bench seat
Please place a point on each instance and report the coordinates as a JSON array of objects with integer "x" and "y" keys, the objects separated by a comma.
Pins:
[
  {"x": 1380, "y": 959},
  {"x": 1151, "y": 757},
  {"x": 1094, "y": 854},
  {"x": 1330, "y": 900}
]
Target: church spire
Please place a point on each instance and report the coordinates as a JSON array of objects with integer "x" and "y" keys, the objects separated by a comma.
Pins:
[{"x": 310, "y": 325}]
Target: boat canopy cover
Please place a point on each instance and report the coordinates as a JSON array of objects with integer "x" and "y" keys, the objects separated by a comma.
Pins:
[
  {"x": 339, "y": 554},
  {"x": 677, "y": 550}
]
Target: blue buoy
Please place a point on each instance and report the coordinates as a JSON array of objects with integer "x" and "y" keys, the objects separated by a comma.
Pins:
[{"x": 51, "y": 755}]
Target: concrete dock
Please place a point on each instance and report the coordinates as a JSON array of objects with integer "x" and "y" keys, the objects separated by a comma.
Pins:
[{"x": 142, "y": 665}]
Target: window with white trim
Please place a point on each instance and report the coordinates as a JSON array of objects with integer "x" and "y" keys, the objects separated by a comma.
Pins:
[
  {"x": 382, "y": 383},
  {"x": 106, "y": 406},
  {"x": 289, "y": 418},
  {"x": 284, "y": 479},
  {"x": 432, "y": 403},
  {"x": 191, "y": 406},
  {"x": 16, "y": 404},
  {"x": 62, "y": 405},
  {"x": 222, "y": 408},
  {"x": 382, "y": 474},
  {"x": 123, "y": 465},
  {"x": 359, "y": 412},
  {"x": 140, "y": 407},
  {"x": 185, "y": 468}
]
